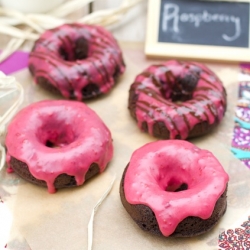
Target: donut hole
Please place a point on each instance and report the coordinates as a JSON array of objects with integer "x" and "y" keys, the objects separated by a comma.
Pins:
[
  {"x": 51, "y": 144},
  {"x": 56, "y": 135},
  {"x": 165, "y": 176},
  {"x": 175, "y": 185},
  {"x": 78, "y": 51},
  {"x": 177, "y": 188},
  {"x": 182, "y": 88},
  {"x": 58, "y": 140}
]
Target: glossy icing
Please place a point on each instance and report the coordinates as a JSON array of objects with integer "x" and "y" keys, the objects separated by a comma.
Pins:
[
  {"x": 79, "y": 137},
  {"x": 104, "y": 59},
  {"x": 165, "y": 165},
  {"x": 155, "y": 85}
]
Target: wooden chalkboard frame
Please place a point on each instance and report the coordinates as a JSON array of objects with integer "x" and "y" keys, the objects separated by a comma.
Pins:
[{"x": 153, "y": 48}]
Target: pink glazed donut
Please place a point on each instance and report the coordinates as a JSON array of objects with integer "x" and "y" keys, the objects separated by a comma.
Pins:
[
  {"x": 58, "y": 144},
  {"x": 177, "y": 100},
  {"x": 173, "y": 188},
  {"x": 80, "y": 61}
]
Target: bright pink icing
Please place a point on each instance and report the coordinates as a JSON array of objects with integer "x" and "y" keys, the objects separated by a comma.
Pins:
[
  {"x": 78, "y": 134},
  {"x": 208, "y": 101},
  {"x": 162, "y": 165},
  {"x": 104, "y": 59}
]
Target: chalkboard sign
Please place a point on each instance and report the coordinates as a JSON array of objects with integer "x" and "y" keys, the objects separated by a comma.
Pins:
[{"x": 195, "y": 29}]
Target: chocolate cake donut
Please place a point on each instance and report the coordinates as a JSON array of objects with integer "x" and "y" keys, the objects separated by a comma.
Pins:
[
  {"x": 78, "y": 60},
  {"x": 172, "y": 188},
  {"x": 49, "y": 143},
  {"x": 177, "y": 100}
]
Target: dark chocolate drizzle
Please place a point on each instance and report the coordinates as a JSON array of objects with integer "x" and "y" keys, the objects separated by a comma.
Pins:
[
  {"x": 69, "y": 51},
  {"x": 184, "y": 86}
]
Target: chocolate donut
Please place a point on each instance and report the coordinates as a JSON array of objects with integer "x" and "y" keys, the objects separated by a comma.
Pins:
[
  {"x": 177, "y": 100},
  {"x": 58, "y": 144},
  {"x": 78, "y": 60},
  {"x": 173, "y": 188}
]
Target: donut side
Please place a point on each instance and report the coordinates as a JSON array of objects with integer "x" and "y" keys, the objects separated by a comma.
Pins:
[
  {"x": 189, "y": 227},
  {"x": 159, "y": 128},
  {"x": 62, "y": 181}
]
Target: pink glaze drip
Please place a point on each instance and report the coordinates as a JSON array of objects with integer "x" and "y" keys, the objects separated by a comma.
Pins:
[
  {"x": 10, "y": 170},
  {"x": 104, "y": 59},
  {"x": 208, "y": 103},
  {"x": 80, "y": 137},
  {"x": 160, "y": 165}
]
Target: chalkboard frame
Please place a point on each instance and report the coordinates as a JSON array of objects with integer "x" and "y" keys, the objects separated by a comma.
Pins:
[{"x": 153, "y": 48}]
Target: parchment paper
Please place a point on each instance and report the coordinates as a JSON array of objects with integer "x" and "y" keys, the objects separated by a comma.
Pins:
[{"x": 59, "y": 221}]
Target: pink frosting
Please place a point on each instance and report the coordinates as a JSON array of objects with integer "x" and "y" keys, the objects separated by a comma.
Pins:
[
  {"x": 79, "y": 137},
  {"x": 154, "y": 87},
  {"x": 165, "y": 165},
  {"x": 104, "y": 59}
]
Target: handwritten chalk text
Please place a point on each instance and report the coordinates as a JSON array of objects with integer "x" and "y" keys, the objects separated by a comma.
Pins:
[{"x": 172, "y": 18}]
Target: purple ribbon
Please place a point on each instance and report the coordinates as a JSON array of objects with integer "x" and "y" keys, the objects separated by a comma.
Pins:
[{"x": 16, "y": 62}]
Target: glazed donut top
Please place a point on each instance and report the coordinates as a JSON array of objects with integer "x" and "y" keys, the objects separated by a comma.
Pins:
[
  {"x": 78, "y": 135},
  {"x": 181, "y": 94},
  {"x": 159, "y": 168},
  {"x": 55, "y": 57}
]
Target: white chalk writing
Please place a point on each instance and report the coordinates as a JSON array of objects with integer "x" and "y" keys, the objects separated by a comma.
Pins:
[{"x": 172, "y": 17}]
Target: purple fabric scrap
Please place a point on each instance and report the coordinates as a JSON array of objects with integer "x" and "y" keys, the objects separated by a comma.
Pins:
[
  {"x": 16, "y": 62},
  {"x": 241, "y": 137}
]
